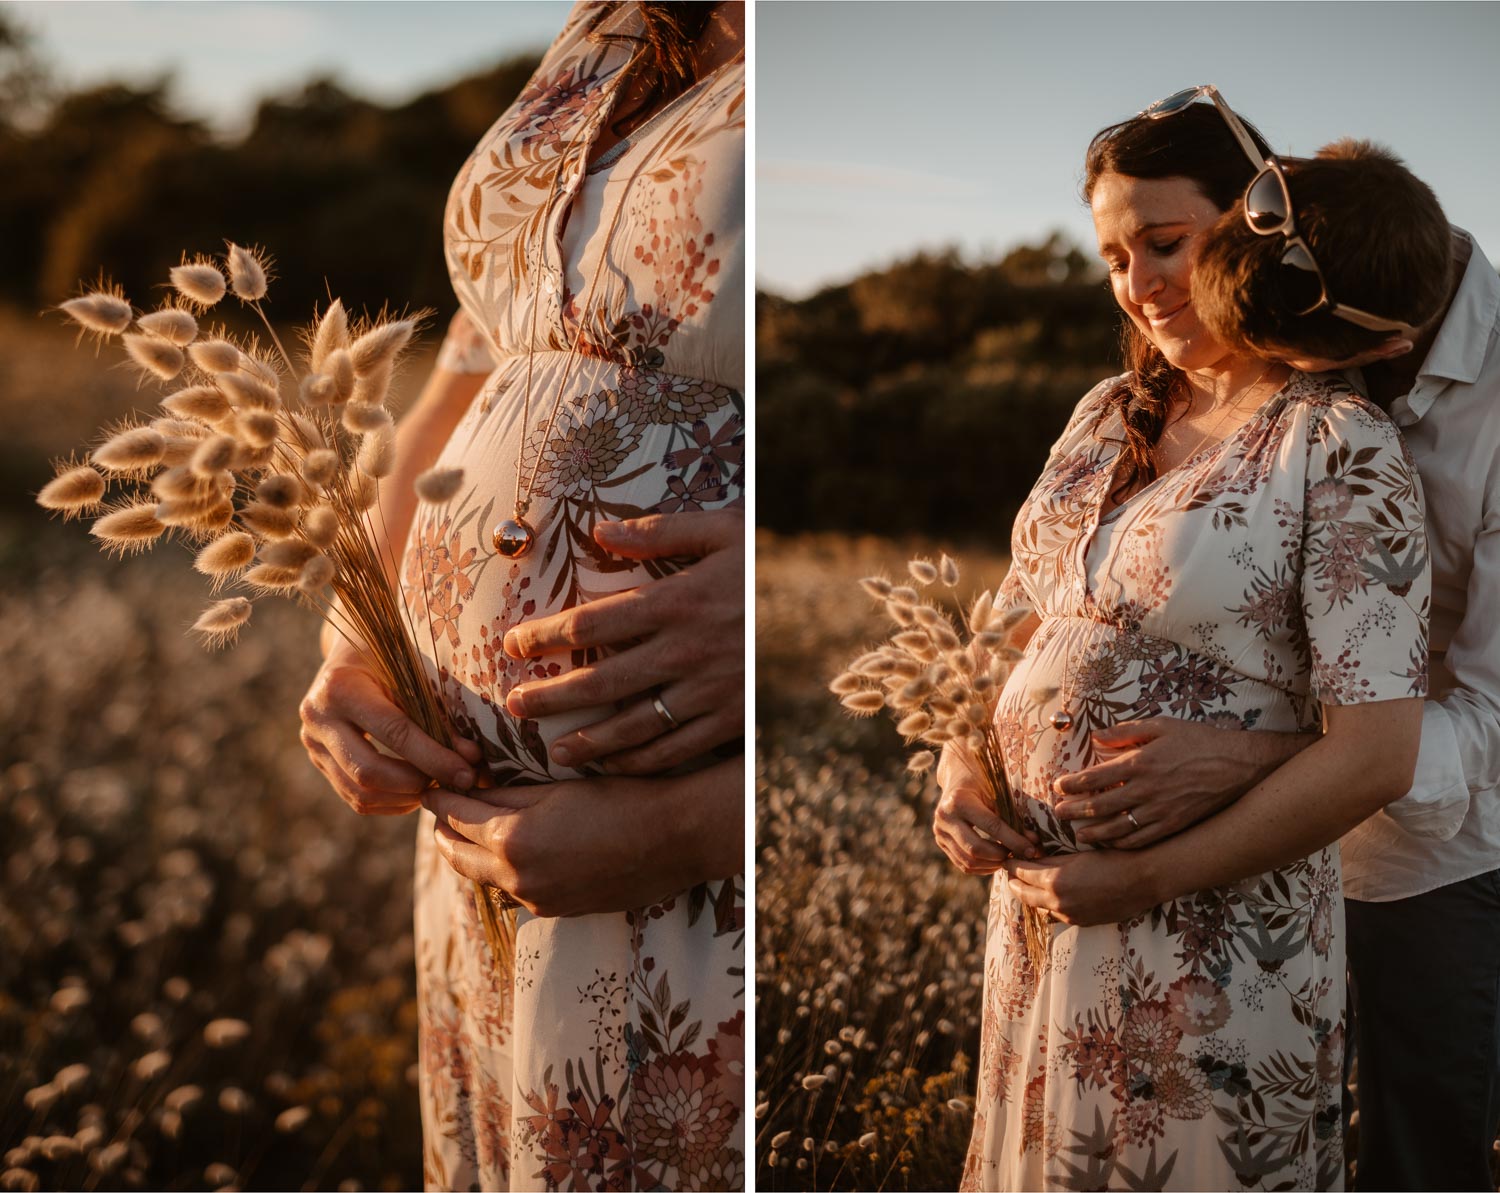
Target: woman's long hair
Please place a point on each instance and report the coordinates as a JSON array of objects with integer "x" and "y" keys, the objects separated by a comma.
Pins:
[
  {"x": 669, "y": 31},
  {"x": 1196, "y": 144}
]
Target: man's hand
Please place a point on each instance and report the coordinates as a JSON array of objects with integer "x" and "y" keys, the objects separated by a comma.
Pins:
[
  {"x": 1168, "y": 774},
  {"x": 680, "y": 638}
]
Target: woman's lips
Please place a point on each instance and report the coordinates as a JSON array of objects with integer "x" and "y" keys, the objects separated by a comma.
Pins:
[{"x": 1159, "y": 321}]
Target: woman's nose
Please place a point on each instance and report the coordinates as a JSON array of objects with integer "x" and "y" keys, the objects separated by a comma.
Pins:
[{"x": 1142, "y": 280}]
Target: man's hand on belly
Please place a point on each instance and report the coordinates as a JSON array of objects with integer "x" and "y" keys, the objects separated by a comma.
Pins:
[{"x": 1166, "y": 774}]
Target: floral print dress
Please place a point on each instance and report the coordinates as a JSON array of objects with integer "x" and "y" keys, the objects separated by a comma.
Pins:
[
  {"x": 1198, "y": 1046},
  {"x": 613, "y": 1056}
]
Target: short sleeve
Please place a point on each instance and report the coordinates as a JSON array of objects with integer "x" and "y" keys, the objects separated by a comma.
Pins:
[
  {"x": 1085, "y": 418},
  {"x": 464, "y": 348},
  {"x": 1365, "y": 573}
]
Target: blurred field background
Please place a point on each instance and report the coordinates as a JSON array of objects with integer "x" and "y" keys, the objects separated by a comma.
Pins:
[
  {"x": 902, "y": 414},
  {"x": 205, "y": 959}
]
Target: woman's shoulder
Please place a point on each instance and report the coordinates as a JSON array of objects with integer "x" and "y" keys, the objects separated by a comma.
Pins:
[
  {"x": 1094, "y": 406},
  {"x": 1333, "y": 410}
]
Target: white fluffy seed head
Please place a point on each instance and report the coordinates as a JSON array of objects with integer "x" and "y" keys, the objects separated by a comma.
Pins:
[
  {"x": 213, "y": 455},
  {"x": 129, "y": 451},
  {"x": 99, "y": 311},
  {"x": 257, "y": 428},
  {"x": 364, "y": 492},
  {"x": 131, "y": 528},
  {"x": 271, "y": 578},
  {"x": 372, "y": 388},
  {"x": 72, "y": 491},
  {"x": 332, "y": 334},
  {"x": 863, "y": 704},
  {"x": 380, "y": 346},
  {"x": 947, "y": 571},
  {"x": 439, "y": 485},
  {"x": 363, "y": 419},
  {"x": 215, "y": 356},
  {"x": 377, "y": 454},
  {"x": 846, "y": 683},
  {"x": 339, "y": 369},
  {"x": 320, "y": 466},
  {"x": 320, "y": 526},
  {"x": 226, "y": 556},
  {"x": 317, "y": 574},
  {"x": 268, "y": 521},
  {"x": 282, "y": 491},
  {"x": 247, "y": 272},
  {"x": 260, "y": 367},
  {"x": 921, "y": 762},
  {"x": 922, "y": 571},
  {"x": 317, "y": 390},
  {"x": 309, "y": 433},
  {"x": 245, "y": 391},
  {"x": 154, "y": 355},
  {"x": 877, "y": 586},
  {"x": 172, "y": 324},
  {"x": 287, "y": 553},
  {"x": 198, "y": 282},
  {"x": 201, "y": 402}
]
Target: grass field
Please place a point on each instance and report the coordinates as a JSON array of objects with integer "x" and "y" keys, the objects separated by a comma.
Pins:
[
  {"x": 171, "y": 860},
  {"x": 869, "y": 943}
]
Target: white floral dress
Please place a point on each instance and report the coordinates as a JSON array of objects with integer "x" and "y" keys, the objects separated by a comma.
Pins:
[
  {"x": 613, "y": 1056},
  {"x": 1198, "y": 1046}
]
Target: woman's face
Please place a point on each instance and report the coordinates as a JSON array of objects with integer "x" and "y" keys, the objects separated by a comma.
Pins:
[{"x": 1148, "y": 232}]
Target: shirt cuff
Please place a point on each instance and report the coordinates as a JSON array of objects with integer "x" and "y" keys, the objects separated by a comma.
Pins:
[{"x": 1438, "y": 801}]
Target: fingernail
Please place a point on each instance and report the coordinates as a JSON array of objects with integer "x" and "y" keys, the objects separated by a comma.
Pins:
[
  {"x": 562, "y": 755},
  {"x": 515, "y": 703},
  {"x": 463, "y": 779},
  {"x": 512, "y": 645},
  {"x": 1033, "y": 854}
]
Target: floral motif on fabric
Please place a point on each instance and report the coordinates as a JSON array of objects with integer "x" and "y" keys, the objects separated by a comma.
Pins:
[{"x": 1198, "y": 1046}]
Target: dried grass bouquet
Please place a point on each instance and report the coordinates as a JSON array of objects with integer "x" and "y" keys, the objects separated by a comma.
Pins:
[
  {"x": 274, "y": 496},
  {"x": 941, "y": 686}
]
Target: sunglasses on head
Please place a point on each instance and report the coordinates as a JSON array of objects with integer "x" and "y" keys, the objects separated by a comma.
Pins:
[{"x": 1269, "y": 212}]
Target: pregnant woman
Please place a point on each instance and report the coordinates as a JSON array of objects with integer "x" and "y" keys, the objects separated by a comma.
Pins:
[
  {"x": 1222, "y": 540},
  {"x": 594, "y": 238}
]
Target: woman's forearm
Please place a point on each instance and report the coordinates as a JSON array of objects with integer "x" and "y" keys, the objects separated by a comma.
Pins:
[
  {"x": 1361, "y": 763},
  {"x": 705, "y": 811}
]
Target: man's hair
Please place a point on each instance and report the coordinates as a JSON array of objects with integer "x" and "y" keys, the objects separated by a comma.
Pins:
[{"x": 1377, "y": 233}]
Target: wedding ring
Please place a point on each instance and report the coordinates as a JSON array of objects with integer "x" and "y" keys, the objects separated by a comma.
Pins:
[
  {"x": 667, "y": 718},
  {"x": 1130, "y": 816}
]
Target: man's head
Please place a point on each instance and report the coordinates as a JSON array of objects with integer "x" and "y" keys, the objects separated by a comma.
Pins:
[{"x": 1379, "y": 237}]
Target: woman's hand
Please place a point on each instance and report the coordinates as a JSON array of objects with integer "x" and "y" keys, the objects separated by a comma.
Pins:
[
  {"x": 1097, "y": 886},
  {"x": 963, "y": 812},
  {"x": 345, "y": 703},
  {"x": 1168, "y": 774},
  {"x": 596, "y": 845},
  {"x": 680, "y": 639}
]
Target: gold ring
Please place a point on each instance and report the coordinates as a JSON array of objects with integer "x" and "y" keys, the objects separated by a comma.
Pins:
[{"x": 667, "y": 718}]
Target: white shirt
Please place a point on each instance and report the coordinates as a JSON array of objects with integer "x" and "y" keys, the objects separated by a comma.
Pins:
[{"x": 1447, "y": 828}]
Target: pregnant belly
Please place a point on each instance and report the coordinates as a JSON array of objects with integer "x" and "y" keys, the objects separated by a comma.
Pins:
[{"x": 1080, "y": 675}]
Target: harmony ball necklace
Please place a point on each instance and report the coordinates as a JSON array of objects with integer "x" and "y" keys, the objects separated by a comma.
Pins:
[{"x": 515, "y": 536}]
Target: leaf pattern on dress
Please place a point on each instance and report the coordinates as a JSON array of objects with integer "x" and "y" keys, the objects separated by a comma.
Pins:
[{"x": 1199, "y": 1045}]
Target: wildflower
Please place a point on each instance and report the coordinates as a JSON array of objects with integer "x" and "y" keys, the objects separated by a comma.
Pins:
[
  {"x": 154, "y": 355},
  {"x": 921, "y": 762},
  {"x": 172, "y": 324},
  {"x": 863, "y": 704},
  {"x": 903, "y": 595},
  {"x": 268, "y": 521},
  {"x": 215, "y": 356},
  {"x": 947, "y": 571},
  {"x": 340, "y": 372},
  {"x": 288, "y": 553},
  {"x": 220, "y": 623},
  {"x": 439, "y": 485},
  {"x": 152, "y": 1065},
  {"x": 317, "y": 390},
  {"x": 247, "y": 391},
  {"x": 273, "y": 578},
  {"x": 128, "y": 528},
  {"x": 320, "y": 526},
  {"x": 257, "y": 428},
  {"x": 922, "y": 571},
  {"x": 320, "y": 466},
  {"x": 100, "y": 311},
  {"x": 202, "y": 402},
  {"x": 281, "y": 490},
  {"x": 198, "y": 282},
  {"x": 292, "y": 1119},
  {"x": 213, "y": 456},
  {"x": 222, "y": 1033},
  {"x": 380, "y": 345},
  {"x": 136, "y": 448},
  {"x": 332, "y": 334},
  {"x": 814, "y": 1081},
  {"x": 247, "y": 272},
  {"x": 363, "y": 419},
  {"x": 846, "y": 683},
  {"x": 377, "y": 453},
  {"x": 73, "y": 491},
  {"x": 317, "y": 574},
  {"x": 877, "y": 586}
]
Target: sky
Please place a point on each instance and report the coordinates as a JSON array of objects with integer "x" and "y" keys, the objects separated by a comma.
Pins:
[
  {"x": 226, "y": 54},
  {"x": 884, "y": 128}
]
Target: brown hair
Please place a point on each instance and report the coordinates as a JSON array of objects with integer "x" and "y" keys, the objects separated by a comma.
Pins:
[
  {"x": 1195, "y": 144},
  {"x": 669, "y": 31},
  {"x": 1379, "y": 236}
]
